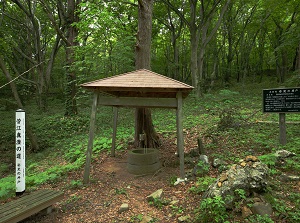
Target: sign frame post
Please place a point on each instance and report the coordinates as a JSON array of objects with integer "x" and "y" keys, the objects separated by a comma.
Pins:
[
  {"x": 20, "y": 152},
  {"x": 281, "y": 101}
]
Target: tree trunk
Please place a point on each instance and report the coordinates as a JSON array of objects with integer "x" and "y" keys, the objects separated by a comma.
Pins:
[
  {"x": 31, "y": 136},
  {"x": 72, "y": 32},
  {"x": 143, "y": 118}
]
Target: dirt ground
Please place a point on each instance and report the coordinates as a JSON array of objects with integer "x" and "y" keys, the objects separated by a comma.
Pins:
[{"x": 111, "y": 185}]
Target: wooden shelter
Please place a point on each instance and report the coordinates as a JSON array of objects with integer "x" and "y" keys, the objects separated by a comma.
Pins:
[{"x": 140, "y": 88}]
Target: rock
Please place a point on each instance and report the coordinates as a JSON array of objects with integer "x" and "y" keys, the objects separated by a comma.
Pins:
[
  {"x": 146, "y": 219},
  {"x": 243, "y": 164},
  {"x": 262, "y": 208},
  {"x": 124, "y": 207},
  {"x": 246, "y": 212},
  {"x": 174, "y": 202},
  {"x": 251, "y": 158},
  {"x": 202, "y": 166},
  {"x": 250, "y": 178},
  {"x": 218, "y": 162},
  {"x": 183, "y": 218},
  {"x": 281, "y": 154},
  {"x": 223, "y": 177},
  {"x": 288, "y": 178},
  {"x": 204, "y": 159},
  {"x": 155, "y": 195}
]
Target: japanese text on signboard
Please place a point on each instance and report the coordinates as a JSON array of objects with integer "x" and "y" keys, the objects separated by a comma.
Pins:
[{"x": 281, "y": 100}]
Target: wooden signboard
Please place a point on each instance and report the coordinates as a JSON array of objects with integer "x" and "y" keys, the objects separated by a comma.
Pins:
[{"x": 281, "y": 100}]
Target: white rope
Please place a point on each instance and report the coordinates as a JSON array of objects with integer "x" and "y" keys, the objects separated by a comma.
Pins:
[{"x": 21, "y": 75}]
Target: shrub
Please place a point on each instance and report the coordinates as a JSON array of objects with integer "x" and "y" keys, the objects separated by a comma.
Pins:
[{"x": 212, "y": 210}]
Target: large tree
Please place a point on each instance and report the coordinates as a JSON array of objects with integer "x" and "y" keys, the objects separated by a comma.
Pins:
[
  {"x": 64, "y": 24},
  {"x": 143, "y": 118}
]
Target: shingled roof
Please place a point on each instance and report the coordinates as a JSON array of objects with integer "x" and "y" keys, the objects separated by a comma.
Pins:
[{"x": 139, "y": 83}]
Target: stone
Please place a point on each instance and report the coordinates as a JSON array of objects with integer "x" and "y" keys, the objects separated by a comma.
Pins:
[
  {"x": 251, "y": 158},
  {"x": 174, "y": 202},
  {"x": 281, "y": 154},
  {"x": 218, "y": 162},
  {"x": 202, "y": 166},
  {"x": 246, "y": 178},
  {"x": 243, "y": 164},
  {"x": 146, "y": 219},
  {"x": 288, "y": 178},
  {"x": 223, "y": 177},
  {"x": 155, "y": 195},
  {"x": 183, "y": 218},
  {"x": 246, "y": 212},
  {"x": 262, "y": 208},
  {"x": 204, "y": 159},
  {"x": 124, "y": 207}
]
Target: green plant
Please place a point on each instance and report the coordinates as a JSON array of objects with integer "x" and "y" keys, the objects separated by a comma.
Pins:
[
  {"x": 74, "y": 184},
  {"x": 202, "y": 184},
  {"x": 172, "y": 180},
  {"x": 135, "y": 218},
  {"x": 241, "y": 193},
  {"x": 177, "y": 209},
  {"x": 259, "y": 218},
  {"x": 226, "y": 119},
  {"x": 212, "y": 210},
  {"x": 7, "y": 186},
  {"x": 202, "y": 168},
  {"x": 121, "y": 191},
  {"x": 159, "y": 203}
]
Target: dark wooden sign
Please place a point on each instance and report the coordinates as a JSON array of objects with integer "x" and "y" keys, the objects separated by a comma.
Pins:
[{"x": 281, "y": 100}]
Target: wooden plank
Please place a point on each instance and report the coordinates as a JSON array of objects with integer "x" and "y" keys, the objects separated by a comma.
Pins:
[
  {"x": 138, "y": 102},
  {"x": 28, "y": 205},
  {"x": 180, "y": 142},
  {"x": 87, "y": 167},
  {"x": 28, "y": 200},
  {"x": 115, "y": 122}
]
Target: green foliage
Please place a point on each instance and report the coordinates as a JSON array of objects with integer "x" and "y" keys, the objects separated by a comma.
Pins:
[
  {"x": 269, "y": 160},
  {"x": 121, "y": 191},
  {"x": 202, "y": 184},
  {"x": 259, "y": 218},
  {"x": 158, "y": 202},
  {"x": 212, "y": 210},
  {"x": 135, "y": 218},
  {"x": 229, "y": 118},
  {"x": 8, "y": 187},
  {"x": 178, "y": 210},
  {"x": 172, "y": 180},
  {"x": 75, "y": 184},
  {"x": 202, "y": 168}
]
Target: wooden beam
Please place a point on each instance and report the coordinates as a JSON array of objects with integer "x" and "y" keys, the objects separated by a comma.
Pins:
[
  {"x": 86, "y": 175},
  {"x": 138, "y": 102},
  {"x": 180, "y": 142},
  {"x": 115, "y": 122}
]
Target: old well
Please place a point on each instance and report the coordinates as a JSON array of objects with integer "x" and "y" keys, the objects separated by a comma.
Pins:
[{"x": 143, "y": 161}]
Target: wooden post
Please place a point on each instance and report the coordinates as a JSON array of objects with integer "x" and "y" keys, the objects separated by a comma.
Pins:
[
  {"x": 180, "y": 142},
  {"x": 113, "y": 146},
  {"x": 282, "y": 129},
  {"x": 87, "y": 168}
]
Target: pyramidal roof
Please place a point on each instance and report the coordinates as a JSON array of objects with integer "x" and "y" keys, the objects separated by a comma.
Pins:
[{"x": 139, "y": 83}]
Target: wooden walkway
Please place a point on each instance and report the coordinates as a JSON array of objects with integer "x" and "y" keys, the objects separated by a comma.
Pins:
[{"x": 28, "y": 205}]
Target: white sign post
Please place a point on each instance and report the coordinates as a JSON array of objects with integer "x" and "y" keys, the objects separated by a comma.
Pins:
[{"x": 20, "y": 152}]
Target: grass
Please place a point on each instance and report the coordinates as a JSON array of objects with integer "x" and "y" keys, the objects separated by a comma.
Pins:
[{"x": 228, "y": 120}]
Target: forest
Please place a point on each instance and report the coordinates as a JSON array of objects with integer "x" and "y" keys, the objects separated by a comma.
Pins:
[{"x": 227, "y": 50}]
